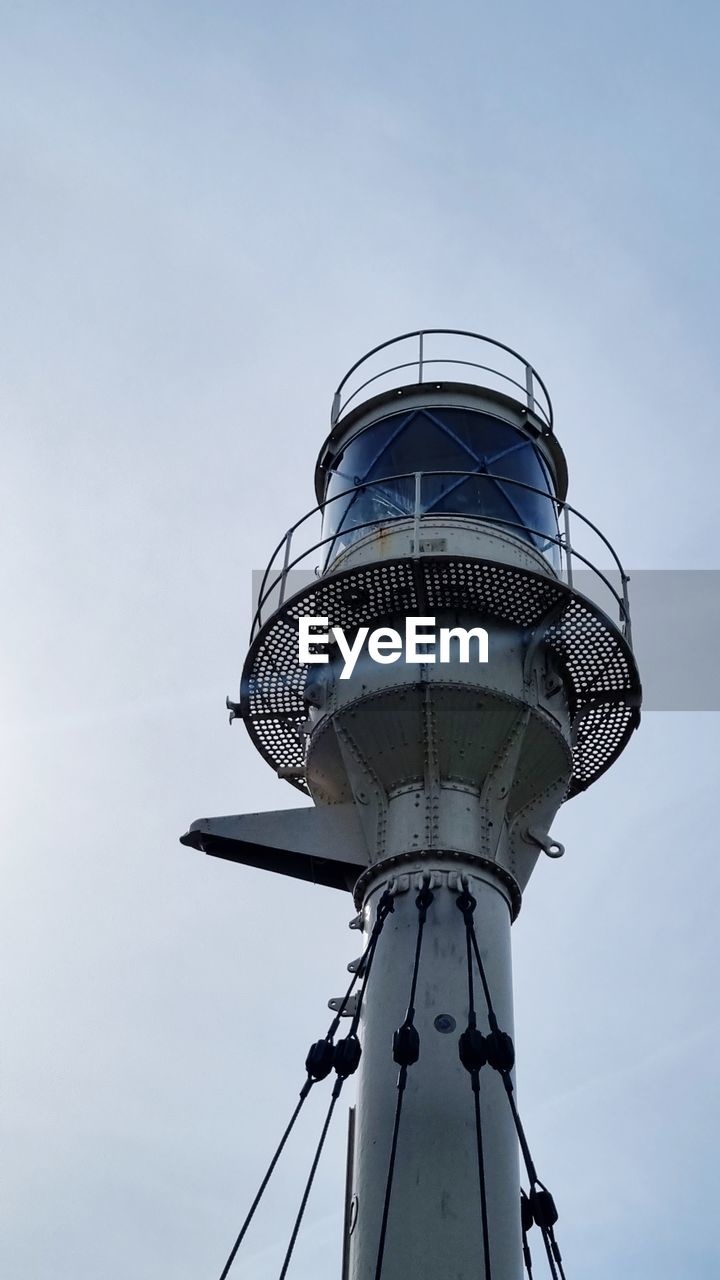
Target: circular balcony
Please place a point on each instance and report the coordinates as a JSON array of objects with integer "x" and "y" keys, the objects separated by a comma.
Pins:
[{"x": 450, "y": 540}]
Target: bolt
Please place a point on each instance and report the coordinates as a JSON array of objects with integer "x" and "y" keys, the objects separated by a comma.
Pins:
[{"x": 444, "y": 1023}]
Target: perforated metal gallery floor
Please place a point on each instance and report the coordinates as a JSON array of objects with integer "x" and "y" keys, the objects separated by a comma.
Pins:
[{"x": 603, "y": 681}]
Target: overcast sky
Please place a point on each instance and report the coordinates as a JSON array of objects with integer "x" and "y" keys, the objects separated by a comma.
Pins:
[{"x": 208, "y": 212}]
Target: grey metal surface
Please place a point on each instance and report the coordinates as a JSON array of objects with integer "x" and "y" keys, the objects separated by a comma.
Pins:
[
  {"x": 434, "y": 1225},
  {"x": 324, "y": 845},
  {"x": 602, "y": 680}
]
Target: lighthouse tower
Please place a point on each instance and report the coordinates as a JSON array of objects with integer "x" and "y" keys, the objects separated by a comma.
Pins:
[{"x": 491, "y": 679}]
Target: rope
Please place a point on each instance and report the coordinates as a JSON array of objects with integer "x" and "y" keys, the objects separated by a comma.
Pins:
[
  {"x": 345, "y": 1061},
  {"x": 406, "y": 1050},
  {"x": 472, "y": 1056},
  {"x": 231, "y": 1258},
  {"x": 385, "y": 906},
  {"x": 500, "y": 1054},
  {"x": 556, "y": 1252},
  {"x": 318, "y": 1064},
  {"x": 551, "y": 1246},
  {"x": 314, "y": 1064},
  {"x": 526, "y": 1222},
  {"x": 548, "y": 1250},
  {"x": 308, "y": 1185},
  {"x": 475, "y": 1049}
]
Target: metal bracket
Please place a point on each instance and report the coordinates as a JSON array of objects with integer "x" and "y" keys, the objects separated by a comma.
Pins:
[
  {"x": 553, "y": 848},
  {"x": 234, "y": 708},
  {"x": 350, "y": 1007},
  {"x": 550, "y": 619},
  {"x": 324, "y": 845}
]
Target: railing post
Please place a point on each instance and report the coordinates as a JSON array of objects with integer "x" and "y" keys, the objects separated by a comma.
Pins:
[
  {"x": 420, "y": 357},
  {"x": 335, "y": 411},
  {"x": 416, "y": 513},
  {"x": 286, "y": 561},
  {"x": 568, "y": 547},
  {"x": 627, "y": 630},
  {"x": 530, "y": 387}
]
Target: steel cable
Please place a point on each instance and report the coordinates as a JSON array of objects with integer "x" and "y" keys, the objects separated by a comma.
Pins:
[
  {"x": 271, "y": 1167},
  {"x": 384, "y": 907},
  {"x": 467, "y": 904},
  {"x": 308, "y": 1185},
  {"x": 345, "y": 1062},
  {"x": 310, "y": 1081},
  {"x": 406, "y": 1049},
  {"x": 472, "y": 1058},
  {"x": 526, "y": 1222}
]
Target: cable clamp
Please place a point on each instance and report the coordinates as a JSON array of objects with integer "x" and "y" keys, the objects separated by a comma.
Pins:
[
  {"x": 543, "y": 1207},
  {"x": 319, "y": 1062},
  {"x": 346, "y": 1057},
  {"x": 406, "y": 1045}
]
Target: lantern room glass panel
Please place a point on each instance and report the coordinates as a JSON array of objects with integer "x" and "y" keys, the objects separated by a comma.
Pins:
[{"x": 373, "y": 479}]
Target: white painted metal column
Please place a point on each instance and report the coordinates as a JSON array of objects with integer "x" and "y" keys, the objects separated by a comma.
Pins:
[{"x": 434, "y": 1227}]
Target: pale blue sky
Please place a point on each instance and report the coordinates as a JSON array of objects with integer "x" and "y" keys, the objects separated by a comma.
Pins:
[{"x": 208, "y": 213}]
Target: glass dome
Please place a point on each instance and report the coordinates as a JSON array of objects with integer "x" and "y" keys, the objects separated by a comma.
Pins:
[{"x": 500, "y": 476}]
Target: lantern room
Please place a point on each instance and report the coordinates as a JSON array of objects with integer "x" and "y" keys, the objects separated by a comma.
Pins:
[{"x": 481, "y": 449}]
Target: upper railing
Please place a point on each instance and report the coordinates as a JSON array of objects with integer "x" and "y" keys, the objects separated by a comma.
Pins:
[
  {"x": 435, "y": 355},
  {"x": 575, "y": 548}
]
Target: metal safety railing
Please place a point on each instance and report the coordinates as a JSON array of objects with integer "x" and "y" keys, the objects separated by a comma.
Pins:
[
  {"x": 296, "y": 551},
  {"x": 502, "y": 368}
]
